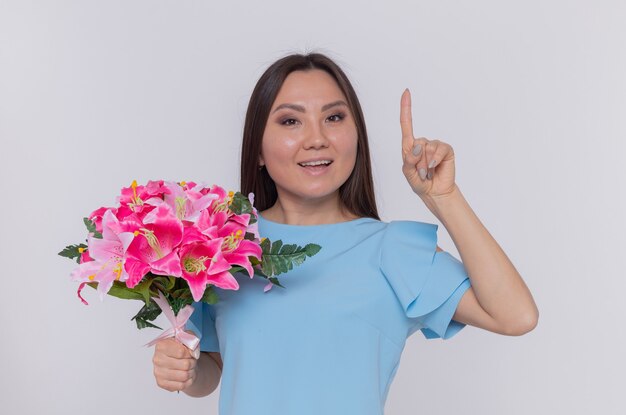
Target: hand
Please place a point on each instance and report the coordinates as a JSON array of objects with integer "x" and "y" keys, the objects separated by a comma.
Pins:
[
  {"x": 430, "y": 173},
  {"x": 174, "y": 365}
]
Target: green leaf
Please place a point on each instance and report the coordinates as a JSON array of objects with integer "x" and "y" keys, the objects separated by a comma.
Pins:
[
  {"x": 274, "y": 281},
  {"x": 178, "y": 303},
  {"x": 265, "y": 245},
  {"x": 240, "y": 204},
  {"x": 288, "y": 249},
  {"x": 210, "y": 296},
  {"x": 71, "y": 251},
  {"x": 254, "y": 261},
  {"x": 276, "y": 246},
  {"x": 279, "y": 258},
  {"x": 183, "y": 293},
  {"x": 236, "y": 268},
  {"x": 149, "y": 312},
  {"x": 312, "y": 249},
  {"x": 163, "y": 284},
  {"x": 143, "y": 288},
  {"x": 91, "y": 228},
  {"x": 120, "y": 290}
]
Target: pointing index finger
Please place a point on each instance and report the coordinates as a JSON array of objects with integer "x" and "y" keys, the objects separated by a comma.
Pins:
[{"x": 406, "y": 120}]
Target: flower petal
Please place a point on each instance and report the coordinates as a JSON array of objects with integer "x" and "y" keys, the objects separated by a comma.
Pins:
[
  {"x": 136, "y": 270},
  {"x": 238, "y": 259},
  {"x": 249, "y": 248},
  {"x": 80, "y": 288},
  {"x": 103, "y": 250},
  {"x": 197, "y": 283},
  {"x": 223, "y": 280},
  {"x": 168, "y": 265}
]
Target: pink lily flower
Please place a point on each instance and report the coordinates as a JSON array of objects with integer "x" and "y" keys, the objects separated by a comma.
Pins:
[
  {"x": 235, "y": 248},
  {"x": 202, "y": 263},
  {"x": 232, "y": 231},
  {"x": 139, "y": 199},
  {"x": 187, "y": 203},
  {"x": 155, "y": 246},
  {"x": 107, "y": 256},
  {"x": 135, "y": 195},
  {"x": 209, "y": 224},
  {"x": 189, "y": 185},
  {"x": 96, "y": 216}
]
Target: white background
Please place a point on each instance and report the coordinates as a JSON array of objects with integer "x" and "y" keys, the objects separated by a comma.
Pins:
[{"x": 531, "y": 95}]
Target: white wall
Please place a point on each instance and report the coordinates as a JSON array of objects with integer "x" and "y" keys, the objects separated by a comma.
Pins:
[{"x": 532, "y": 96}]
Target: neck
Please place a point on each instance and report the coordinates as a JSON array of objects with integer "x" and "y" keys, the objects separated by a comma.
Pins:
[{"x": 292, "y": 212}]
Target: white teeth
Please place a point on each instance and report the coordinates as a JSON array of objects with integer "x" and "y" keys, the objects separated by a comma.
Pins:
[{"x": 315, "y": 163}]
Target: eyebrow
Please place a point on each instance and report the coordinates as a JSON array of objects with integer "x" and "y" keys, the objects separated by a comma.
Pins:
[{"x": 301, "y": 108}]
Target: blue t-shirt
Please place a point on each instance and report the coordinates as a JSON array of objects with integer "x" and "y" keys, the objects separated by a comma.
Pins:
[{"x": 330, "y": 341}]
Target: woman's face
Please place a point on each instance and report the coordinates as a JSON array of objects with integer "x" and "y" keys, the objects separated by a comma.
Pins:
[{"x": 309, "y": 121}]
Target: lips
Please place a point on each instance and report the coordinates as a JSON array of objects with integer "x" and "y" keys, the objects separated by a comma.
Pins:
[
  {"x": 319, "y": 166},
  {"x": 316, "y": 162}
]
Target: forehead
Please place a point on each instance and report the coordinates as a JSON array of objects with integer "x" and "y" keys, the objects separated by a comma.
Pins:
[{"x": 314, "y": 86}]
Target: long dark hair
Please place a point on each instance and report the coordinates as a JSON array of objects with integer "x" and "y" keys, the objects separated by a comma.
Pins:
[{"x": 357, "y": 193}]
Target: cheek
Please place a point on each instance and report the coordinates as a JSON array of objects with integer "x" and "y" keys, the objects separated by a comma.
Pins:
[
  {"x": 348, "y": 146},
  {"x": 277, "y": 144},
  {"x": 278, "y": 153},
  {"x": 350, "y": 151}
]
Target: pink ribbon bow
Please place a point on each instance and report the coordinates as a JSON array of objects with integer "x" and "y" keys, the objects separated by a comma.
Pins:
[{"x": 178, "y": 326}]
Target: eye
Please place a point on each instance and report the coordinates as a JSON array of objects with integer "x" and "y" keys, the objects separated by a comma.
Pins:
[
  {"x": 288, "y": 121},
  {"x": 339, "y": 116}
]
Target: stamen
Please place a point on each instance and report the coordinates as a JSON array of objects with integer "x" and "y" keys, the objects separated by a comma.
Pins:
[
  {"x": 180, "y": 207},
  {"x": 195, "y": 265},
  {"x": 231, "y": 242},
  {"x": 153, "y": 241},
  {"x": 135, "y": 200},
  {"x": 118, "y": 271}
]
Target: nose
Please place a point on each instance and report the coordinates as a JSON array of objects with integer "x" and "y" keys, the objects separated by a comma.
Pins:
[{"x": 315, "y": 138}]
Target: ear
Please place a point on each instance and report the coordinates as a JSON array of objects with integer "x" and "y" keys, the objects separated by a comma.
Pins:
[{"x": 261, "y": 161}]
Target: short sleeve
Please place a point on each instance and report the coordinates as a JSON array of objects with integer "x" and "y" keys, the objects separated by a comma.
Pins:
[
  {"x": 428, "y": 284},
  {"x": 202, "y": 322}
]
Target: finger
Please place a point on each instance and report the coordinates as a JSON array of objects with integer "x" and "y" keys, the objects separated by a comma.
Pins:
[
  {"x": 443, "y": 152},
  {"x": 173, "y": 375},
  {"x": 422, "y": 163},
  {"x": 431, "y": 160},
  {"x": 412, "y": 157},
  {"x": 174, "y": 363},
  {"x": 406, "y": 120},
  {"x": 172, "y": 348}
]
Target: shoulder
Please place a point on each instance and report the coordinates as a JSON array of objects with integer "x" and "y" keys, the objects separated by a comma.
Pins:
[
  {"x": 401, "y": 231},
  {"x": 403, "y": 237}
]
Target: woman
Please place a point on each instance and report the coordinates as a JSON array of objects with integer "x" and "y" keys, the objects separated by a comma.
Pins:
[{"x": 330, "y": 342}]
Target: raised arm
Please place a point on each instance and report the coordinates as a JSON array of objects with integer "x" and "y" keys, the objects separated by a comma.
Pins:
[{"x": 499, "y": 300}]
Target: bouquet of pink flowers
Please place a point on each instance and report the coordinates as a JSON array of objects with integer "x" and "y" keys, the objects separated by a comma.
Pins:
[{"x": 167, "y": 244}]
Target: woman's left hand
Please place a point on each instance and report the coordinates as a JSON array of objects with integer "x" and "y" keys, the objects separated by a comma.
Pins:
[{"x": 428, "y": 165}]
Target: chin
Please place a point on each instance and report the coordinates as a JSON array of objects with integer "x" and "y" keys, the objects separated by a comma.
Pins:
[{"x": 315, "y": 194}]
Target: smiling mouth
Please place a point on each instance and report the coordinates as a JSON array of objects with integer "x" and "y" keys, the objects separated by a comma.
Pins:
[{"x": 321, "y": 163}]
